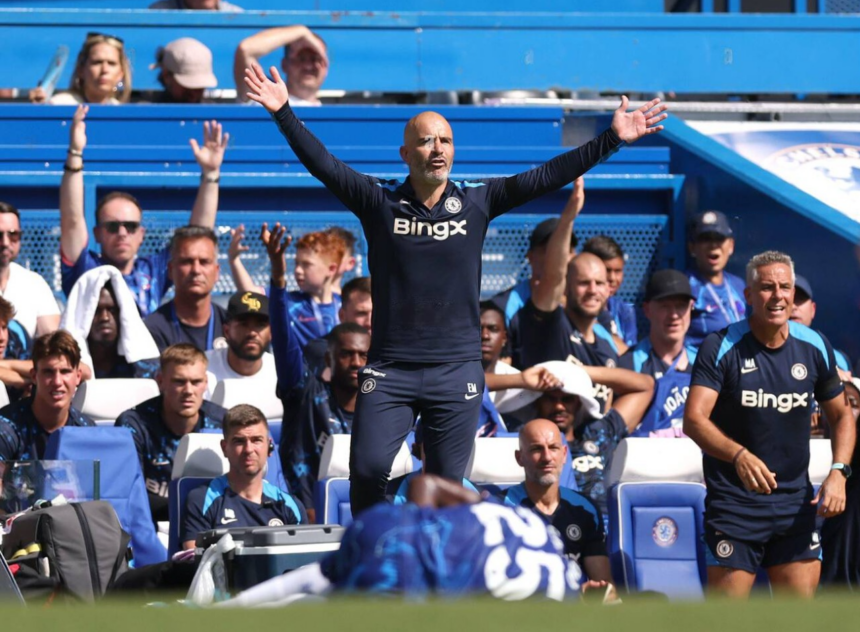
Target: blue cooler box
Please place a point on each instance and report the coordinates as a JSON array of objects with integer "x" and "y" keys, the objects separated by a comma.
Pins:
[{"x": 265, "y": 552}]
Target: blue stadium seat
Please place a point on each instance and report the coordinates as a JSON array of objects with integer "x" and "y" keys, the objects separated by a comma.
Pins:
[
  {"x": 331, "y": 501},
  {"x": 178, "y": 493},
  {"x": 121, "y": 481},
  {"x": 656, "y": 541}
]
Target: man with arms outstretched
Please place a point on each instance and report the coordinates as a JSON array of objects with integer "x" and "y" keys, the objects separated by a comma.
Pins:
[{"x": 424, "y": 252}]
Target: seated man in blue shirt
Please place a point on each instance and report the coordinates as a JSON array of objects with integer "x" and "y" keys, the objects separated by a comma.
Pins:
[
  {"x": 542, "y": 456},
  {"x": 158, "y": 424},
  {"x": 26, "y": 425},
  {"x": 242, "y": 497}
]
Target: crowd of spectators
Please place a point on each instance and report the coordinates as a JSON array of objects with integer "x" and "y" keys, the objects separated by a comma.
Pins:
[{"x": 102, "y": 73}]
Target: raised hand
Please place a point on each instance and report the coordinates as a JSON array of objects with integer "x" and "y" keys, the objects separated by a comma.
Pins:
[
  {"x": 270, "y": 93},
  {"x": 631, "y": 126},
  {"x": 576, "y": 201},
  {"x": 276, "y": 247},
  {"x": 211, "y": 154},
  {"x": 78, "y": 129},
  {"x": 540, "y": 379},
  {"x": 236, "y": 246}
]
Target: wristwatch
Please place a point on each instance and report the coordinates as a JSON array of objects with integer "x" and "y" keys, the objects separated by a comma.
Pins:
[{"x": 842, "y": 467}]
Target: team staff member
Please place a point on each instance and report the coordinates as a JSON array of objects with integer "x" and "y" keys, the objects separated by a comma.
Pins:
[
  {"x": 425, "y": 238},
  {"x": 664, "y": 355},
  {"x": 242, "y": 497},
  {"x": 748, "y": 409},
  {"x": 718, "y": 294},
  {"x": 542, "y": 455}
]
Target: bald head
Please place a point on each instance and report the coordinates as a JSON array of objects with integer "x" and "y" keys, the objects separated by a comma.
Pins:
[
  {"x": 542, "y": 454},
  {"x": 537, "y": 428},
  {"x": 428, "y": 149},
  {"x": 420, "y": 124},
  {"x": 587, "y": 288},
  {"x": 586, "y": 263}
]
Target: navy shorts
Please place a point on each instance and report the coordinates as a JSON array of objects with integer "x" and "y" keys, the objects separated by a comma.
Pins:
[{"x": 769, "y": 541}]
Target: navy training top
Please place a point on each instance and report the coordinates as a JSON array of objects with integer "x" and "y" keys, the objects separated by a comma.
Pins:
[{"x": 426, "y": 263}]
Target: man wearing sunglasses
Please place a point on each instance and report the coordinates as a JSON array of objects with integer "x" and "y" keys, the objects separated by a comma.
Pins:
[
  {"x": 118, "y": 227},
  {"x": 35, "y": 307}
]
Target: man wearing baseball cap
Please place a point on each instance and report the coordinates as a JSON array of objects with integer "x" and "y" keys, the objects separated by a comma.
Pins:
[
  {"x": 718, "y": 295},
  {"x": 664, "y": 355},
  {"x": 248, "y": 335},
  {"x": 803, "y": 312},
  {"x": 512, "y": 300},
  {"x": 186, "y": 71}
]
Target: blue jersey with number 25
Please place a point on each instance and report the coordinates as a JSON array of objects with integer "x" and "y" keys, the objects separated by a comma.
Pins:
[{"x": 507, "y": 552}]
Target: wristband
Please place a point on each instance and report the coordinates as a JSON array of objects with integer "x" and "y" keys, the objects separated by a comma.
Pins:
[
  {"x": 737, "y": 455},
  {"x": 75, "y": 152},
  {"x": 210, "y": 179},
  {"x": 73, "y": 169}
]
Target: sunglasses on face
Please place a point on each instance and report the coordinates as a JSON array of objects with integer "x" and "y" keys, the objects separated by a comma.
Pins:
[
  {"x": 113, "y": 227},
  {"x": 13, "y": 235},
  {"x": 105, "y": 37}
]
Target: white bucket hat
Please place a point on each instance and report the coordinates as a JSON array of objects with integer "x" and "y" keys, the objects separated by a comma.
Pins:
[{"x": 575, "y": 381}]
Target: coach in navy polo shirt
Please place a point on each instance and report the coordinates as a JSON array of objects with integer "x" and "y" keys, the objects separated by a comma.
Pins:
[
  {"x": 242, "y": 497},
  {"x": 26, "y": 425},
  {"x": 542, "y": 455},
  {"x": 749, "y": 407}
]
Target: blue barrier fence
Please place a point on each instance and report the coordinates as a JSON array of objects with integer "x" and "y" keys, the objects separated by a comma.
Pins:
[{"x": 414, "y": 52}]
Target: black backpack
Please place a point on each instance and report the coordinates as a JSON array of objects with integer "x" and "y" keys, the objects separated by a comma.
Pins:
[{"x": 81, "y": 550}]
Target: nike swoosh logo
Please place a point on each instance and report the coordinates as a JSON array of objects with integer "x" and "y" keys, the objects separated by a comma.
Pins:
[
  {"x": 473, "y": 396},
  {"x": 228, "y": 520},
  {"x": 812, "y": 547},
  {"x": 744, "y": 371}
]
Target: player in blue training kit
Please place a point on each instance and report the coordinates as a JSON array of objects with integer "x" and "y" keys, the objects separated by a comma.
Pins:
[
  {"x": 443, "y": 542},
  {"x": 242, "y": 497},
  {"x": 749, "y": 410},
  {"x": 424, "y": 240}
]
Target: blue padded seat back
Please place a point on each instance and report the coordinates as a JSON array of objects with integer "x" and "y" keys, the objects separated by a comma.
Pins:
[
  {"x": 178, "y": 493},
  {"x": 121, "y": 481},
  {"x": 656, "y": 537}
]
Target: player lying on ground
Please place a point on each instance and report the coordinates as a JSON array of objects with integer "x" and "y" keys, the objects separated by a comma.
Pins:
[{"x": 445, "y": 541}]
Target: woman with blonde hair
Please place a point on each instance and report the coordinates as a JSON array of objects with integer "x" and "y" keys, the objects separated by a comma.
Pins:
[{"x": 102, "y": 75}]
